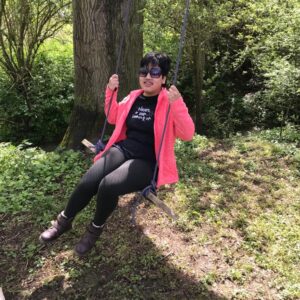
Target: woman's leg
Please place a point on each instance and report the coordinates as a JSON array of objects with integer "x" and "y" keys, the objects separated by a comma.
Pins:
[
  {"x": 131, "y": 176},
  {"x": 89, "y": 183},
  {"x": 83, "y": 193}
]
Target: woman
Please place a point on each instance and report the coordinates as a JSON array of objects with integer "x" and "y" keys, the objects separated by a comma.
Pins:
[{"x": 127, "y": 163}]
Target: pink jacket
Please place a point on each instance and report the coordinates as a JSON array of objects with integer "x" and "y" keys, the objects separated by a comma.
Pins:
[{"x": 180, "y": 125}]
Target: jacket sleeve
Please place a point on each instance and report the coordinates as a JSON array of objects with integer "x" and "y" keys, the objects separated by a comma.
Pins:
[
  {"x": 183, "y": 123},
  {"x": 113, "y": 112}
]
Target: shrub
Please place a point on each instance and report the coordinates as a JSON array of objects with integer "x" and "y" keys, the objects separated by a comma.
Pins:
[{"x": 51, "y": 96}]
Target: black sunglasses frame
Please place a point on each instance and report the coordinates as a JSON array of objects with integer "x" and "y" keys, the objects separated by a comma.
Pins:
[{"x": 154, "y": 72}]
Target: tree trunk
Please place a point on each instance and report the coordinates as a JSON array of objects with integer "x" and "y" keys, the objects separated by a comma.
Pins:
[
  {"x": 98, "y": 26},
  {"x": 199, "y": 64}
]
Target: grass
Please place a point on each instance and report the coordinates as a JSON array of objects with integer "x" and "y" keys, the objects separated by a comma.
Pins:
[{"x": 237, "y": 237}]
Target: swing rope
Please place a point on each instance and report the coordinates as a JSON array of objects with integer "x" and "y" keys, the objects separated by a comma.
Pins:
[
  {"x": 150, "y": 191},
  {"x": 100, "y": 144},
  {"x": 152, "y": 187}
]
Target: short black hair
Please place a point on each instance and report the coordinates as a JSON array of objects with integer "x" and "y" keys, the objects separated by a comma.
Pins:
[{"x": 157, "y": 59}]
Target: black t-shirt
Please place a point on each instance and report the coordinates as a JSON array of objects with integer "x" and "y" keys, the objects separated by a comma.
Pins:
[{"x": 140, "y": 129}]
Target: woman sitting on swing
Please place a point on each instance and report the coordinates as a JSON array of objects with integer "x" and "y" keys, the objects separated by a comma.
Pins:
[{"x": 127, "y": 163}]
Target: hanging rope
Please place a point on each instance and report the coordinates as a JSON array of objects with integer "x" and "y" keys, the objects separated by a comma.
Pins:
[
  {"x": 152, "y": 187},
  {"x": 100, "y": 144},
  {"x": 182, "y": 40},
  {"x": 126, "y": 22},
  {"x": 150, "y": 191}
]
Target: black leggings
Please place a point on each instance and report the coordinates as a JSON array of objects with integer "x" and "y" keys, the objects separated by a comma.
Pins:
[{"x": 110, "y": 177}]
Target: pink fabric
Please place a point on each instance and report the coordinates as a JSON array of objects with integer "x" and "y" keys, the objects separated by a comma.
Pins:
[{"x": 180, "y": 125}]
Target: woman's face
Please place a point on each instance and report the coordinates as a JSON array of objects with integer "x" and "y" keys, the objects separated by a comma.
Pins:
[{"x": 151, "y": 80}]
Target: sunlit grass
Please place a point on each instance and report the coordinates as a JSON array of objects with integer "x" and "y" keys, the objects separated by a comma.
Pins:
[
  {"x": 251, "y": 185},
  {"x": 237, "y": 236}
]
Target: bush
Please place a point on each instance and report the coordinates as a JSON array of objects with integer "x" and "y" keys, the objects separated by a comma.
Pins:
[
  {"x": 32, "y": 179},
  {"x": 51, "y": 95}
]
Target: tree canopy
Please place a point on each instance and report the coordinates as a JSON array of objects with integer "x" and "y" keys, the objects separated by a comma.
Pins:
[{"x": 240, "y": 67}]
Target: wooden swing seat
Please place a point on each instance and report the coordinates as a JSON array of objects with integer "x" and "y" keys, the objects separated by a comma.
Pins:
[{"x": 150, "y": 195}]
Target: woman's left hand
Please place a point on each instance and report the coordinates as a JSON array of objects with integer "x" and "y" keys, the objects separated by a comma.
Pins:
[{"x": 173, "y": 94}]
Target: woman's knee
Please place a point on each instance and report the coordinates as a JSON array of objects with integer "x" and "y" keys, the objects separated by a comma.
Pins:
[
  {"x": 106, "y": 189},
  {"x": 107, "y": 196},
  {"x": 87, "y": 185}
]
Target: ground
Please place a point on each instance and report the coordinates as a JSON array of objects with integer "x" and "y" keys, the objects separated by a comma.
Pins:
[{"x": 237, "y": 237}]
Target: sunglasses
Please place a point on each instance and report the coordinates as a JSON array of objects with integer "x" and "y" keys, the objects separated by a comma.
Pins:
[{"x": 155, "y": 72}]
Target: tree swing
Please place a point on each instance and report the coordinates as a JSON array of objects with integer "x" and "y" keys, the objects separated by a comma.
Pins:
[{"x": 149, "y": 192}]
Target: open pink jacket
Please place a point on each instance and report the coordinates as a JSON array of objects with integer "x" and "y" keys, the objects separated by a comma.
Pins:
[{"x": 180, "y": 125}]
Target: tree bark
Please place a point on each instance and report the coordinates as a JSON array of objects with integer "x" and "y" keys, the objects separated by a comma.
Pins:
[
  {"x": 199, "y": 65},
  {"x": 98, "y": 26}
]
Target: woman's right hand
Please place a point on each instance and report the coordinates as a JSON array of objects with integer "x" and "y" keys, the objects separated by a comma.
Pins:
[{"x": 113, "y": 82}]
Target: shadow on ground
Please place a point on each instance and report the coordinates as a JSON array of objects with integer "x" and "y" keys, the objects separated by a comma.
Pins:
[{"x": 125, "y": 264}]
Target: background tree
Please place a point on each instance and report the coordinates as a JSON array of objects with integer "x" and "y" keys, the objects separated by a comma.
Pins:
[
  {"x": 240, "y": 68},
  {"x": 273, "y": 45},
  {"x": 98, "y": 26},
  {"x": 204, "y": 28},
  {"x": 163, "y": 16},
  {"x": 253, "y": 75},
  {"x": 24, "y": 26}
]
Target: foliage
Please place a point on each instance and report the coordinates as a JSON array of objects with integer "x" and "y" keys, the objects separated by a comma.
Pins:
[
  {"x": 251, "y": 75},
  {"x": 249, "y": 185},
  {"x": 31, "y": 179},
  {"x": 237, "y": 236},
  {"x": 250, "y": 72},
  {"x": 51, "y": 92},
  {"x": 25, "y": 26},
  {"x": 289, "y": 135},
  {"x": 269, "y": 57}
]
